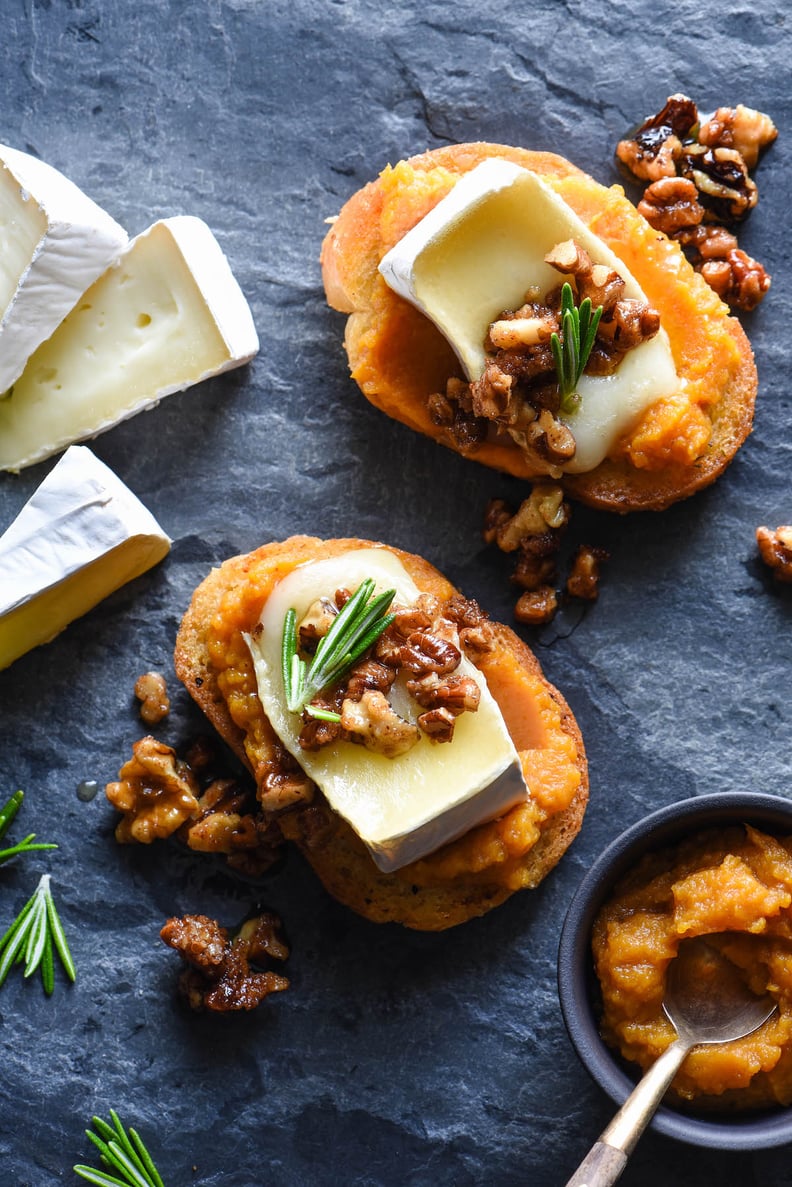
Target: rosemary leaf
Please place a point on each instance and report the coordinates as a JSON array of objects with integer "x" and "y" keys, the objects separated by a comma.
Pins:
[
  {"x": 23, "y": 847},
  {"x": 31, "y": 937},
  {"x": 59, "y": 939},
  {"x": 355, "y": 628},
  {"x": 9, "y": 811},
  {"x": 123, "y": 1152},
  {"x": 571, "y": 350},
  {"x": 322, "y": 714}
]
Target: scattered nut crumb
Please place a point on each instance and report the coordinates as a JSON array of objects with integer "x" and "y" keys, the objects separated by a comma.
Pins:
[
  {"x": 151, "y": 691},
  {"x": 583, "y": 580},
  {"x": 775, "y": 549},
  {"x": 536, "y": 606}
]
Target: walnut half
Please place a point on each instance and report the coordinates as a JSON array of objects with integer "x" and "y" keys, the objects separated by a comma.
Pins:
[{"x": 156, "y": 792}]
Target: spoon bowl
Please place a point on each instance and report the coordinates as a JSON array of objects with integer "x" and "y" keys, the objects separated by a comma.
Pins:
[{"x": 706, "y": 1001}]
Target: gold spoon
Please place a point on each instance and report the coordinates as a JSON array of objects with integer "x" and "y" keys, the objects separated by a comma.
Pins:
[{"x": 707, "y": 1001}]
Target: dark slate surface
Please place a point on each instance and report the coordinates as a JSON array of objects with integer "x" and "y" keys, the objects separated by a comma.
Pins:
[{"x": 396, "y": 1058}]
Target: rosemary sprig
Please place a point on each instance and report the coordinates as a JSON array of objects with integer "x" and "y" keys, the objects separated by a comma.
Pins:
[
  {"x": 7, "y": 815},
  {"x": 122, "y": 1151},
  {"x": 34, "y": 937},
  {"x": 355, "y": 628},
  {"x": 571, "y": 351}
]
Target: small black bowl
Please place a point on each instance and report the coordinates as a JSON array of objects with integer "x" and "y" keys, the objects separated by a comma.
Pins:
[{"x": 578, "y": 987}]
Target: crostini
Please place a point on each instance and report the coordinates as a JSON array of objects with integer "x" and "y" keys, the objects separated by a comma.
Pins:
[
  {"x": 404, "y": 810},
  {"x": 508, "y": 407}
]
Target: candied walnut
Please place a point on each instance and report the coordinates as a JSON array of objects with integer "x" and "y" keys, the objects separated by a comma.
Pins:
[
  {"x": 453, "y": 412},
  {"x": 491, "y": 394},
  {"x": 458, "y": 694},
  {"x": 654, "y": 148},
  {"x": 369, "y": 674},
  {"x": 544, "y": 508},
  {"x": 739, "y": 280},
  {"x": 515, "y": 332},
  {"x": 742, "y": 128},
  {"x": 156, "y": 791},
  {"x": 219, "y": 976},
  {"x": 283, "y": 783},
  {"x": 477, "y": 641},
  {"x": 418, "y": 617},
  {"x": 671, "y": 204},
  {"x": 536, "y": 606},
  {"x": 151, "y": 691},
  {"x": 465, "y": 612},
  {"x": 709, "y": 241},
  {"x": 437, "y": 724},
  {"x": 775, "y": 549},
  {"x": 223, "y": 825},
  {"x": 583, "y": 580},
  {"x": 550, "y": 438},
  {"x": 721, "y": 178},
  {"x": 374, "y": 723},
  {"x": 630, "y": 323},
  {"x": 424, "y": 652},
  {"x": 316, "y": 622},
  {"x": 536, "y": 560}
]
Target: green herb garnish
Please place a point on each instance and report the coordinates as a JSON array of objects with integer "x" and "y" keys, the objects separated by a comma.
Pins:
[
  {"x": 34, "y": 937},
  {"x": 7, "y": 815},
  {"x": 355, "y": 628},
  {"x": 571, "y": 351},
  {"x": 120, "y": 1150}
]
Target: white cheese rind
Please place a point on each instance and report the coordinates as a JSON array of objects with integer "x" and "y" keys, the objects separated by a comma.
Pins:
[
  {"x": 479, "y": 251},
  {"x": 54, "y": 243},
  {"x": 405, "y": 807},
  {"x": 167, "y": 315},
  {"x": 80, "y": 536}
]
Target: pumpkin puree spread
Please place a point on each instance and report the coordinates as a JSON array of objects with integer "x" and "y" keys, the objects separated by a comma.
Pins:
[
  {"x": 547, "y": 751},
  {"x": 735, "y": 887},
  {"x": 402, "y": 356}
]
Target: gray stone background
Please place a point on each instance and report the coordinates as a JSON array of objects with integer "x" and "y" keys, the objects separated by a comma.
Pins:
[{"x": 396, "y": 1058}]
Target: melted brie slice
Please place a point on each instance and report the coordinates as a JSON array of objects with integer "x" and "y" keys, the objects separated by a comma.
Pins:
[
  {"x": 82, "y": 535},
  {"x": 479, "y": 251},
  {"x": 168, "y": 314},
  {"x": 403, "y": 807},
  {"x": 54, "y": 243}
]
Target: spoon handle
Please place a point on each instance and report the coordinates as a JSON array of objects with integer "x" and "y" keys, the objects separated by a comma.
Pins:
[{"x": 607, "y": 1158}]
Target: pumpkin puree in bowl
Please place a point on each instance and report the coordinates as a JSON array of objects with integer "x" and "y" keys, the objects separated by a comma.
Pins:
[{"x": 735, "y": 887}]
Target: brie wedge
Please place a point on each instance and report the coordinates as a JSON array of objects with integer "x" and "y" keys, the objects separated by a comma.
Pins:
[
  {"x": 479, "y": 251},
  {"x": 168, "y": 314},
  {"x": 54, "y": 243},
  {"x": 82, "y": 535},
  {"x": 405, "y": 807}
]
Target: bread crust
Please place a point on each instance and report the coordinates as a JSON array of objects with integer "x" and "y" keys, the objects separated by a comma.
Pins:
[
  {"x": 351, "y": 253},
  {"x": 423, "y": 895}
]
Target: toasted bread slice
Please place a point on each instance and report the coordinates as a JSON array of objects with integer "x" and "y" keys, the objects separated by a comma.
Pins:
[
  {"x": 399, "y": 358},
  {"x": 466, "y": 877}
]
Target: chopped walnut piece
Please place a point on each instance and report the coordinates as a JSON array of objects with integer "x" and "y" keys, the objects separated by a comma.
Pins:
[
  {"x": 316, "y": 622},
  {"x": 220, "y": 977},
  {"x": 775, "y": 549},
  {"x": 151, "y": 691},
  {"x": 283, "y": 783},
  {"x": 551, "y": 438},
  {"x": 438, "y": 724},
  {"x": 223, "y": 825},
  {"x": 739, "y": 280},
  {"x": 544, "y": 508},
  {"x": 536, "y": 560},
  {"x": 491, "y": 394},
  {"x": 497, "y": 514},
  {"x": 721, "y": 178},
  {"x": 458, "y": 694},
  {"x": 536, "y": 606},
  {"x": 653, "y": 149},
  {"x": 373, "y": 722},
  {"x": 742, "y": 128},
  {"x": 515, "y": 332},
  {"x": 156, "y": 791},
  {"x": 671, "y": 204},
  {"x": 583, "y": 580},
  {"x": 453, "y": 411}
]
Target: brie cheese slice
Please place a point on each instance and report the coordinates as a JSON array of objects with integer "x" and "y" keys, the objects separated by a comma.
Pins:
[
  {"x": 479, "y": 251},
  {"x": 81, "y": 535},
  {"x": 54, "y": 243},
  {"x": 168, "y": 314},
  {"x": 405, "y": 807}
]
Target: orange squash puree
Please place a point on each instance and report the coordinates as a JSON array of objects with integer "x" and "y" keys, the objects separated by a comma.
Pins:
[
  {"x": 735, "y": 887},
  {"x": 548, "y": 754},
  {"x": 402, "y": 358}
]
